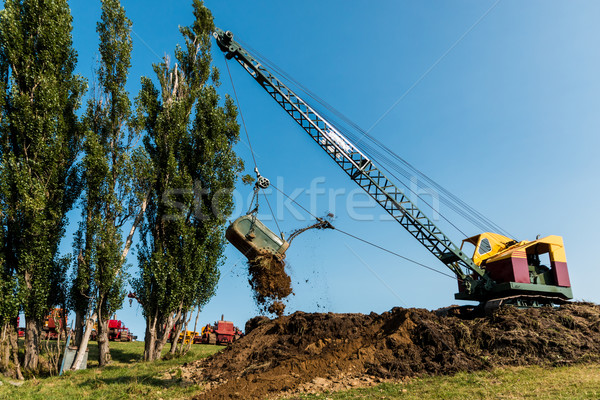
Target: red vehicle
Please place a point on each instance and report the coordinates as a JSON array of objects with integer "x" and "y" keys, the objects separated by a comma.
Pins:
[
  {"x": 117, "y": 332},
  {"x": 222, "y": 332},
  {"x": 20, "y": 329},
  {"x": 53, "y": 324}
]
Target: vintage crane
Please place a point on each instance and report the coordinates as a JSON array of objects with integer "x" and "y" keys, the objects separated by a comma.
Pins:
[{"x": 500, "y": 270}]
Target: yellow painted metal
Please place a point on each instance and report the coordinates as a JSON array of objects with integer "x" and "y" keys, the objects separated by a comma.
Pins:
[
  {"x": 502, "y": 247},
  {"x": 187, "y": 336}
]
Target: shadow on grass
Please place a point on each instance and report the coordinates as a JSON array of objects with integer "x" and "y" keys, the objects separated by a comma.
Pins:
[
  {"x": 147, "y": 379},
  {"x": 120, "y": 352},
  {"x": 125, "y": 355}
]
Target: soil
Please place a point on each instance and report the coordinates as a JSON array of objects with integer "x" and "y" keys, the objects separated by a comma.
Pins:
[
  {"x": 305, "y": 352},
  {"x": 267, "y": 276},
  {"x": 270, "y": 283}
]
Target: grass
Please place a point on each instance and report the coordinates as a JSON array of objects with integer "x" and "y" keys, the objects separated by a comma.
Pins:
[
  {"x": 577, "y": 382},
  {"x": 127, "y": 377},
  {"x": 130, "y": 378}
]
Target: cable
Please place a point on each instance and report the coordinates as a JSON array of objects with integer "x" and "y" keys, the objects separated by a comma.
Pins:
[
  {"x": 249, "y": 143},
  {"x": 241, "y": 114},
  {"x": 272, "y": 213},
  {"x": 294, "y": 201},
  {"x": 393, "y": 253},
  {"x": 474, "y": 218},
  {"x": 453, "y": 202},
  {"x": 366, "y": 241}
]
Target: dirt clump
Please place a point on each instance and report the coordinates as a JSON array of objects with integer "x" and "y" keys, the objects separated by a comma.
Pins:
[
  {"x": 305, "y": 352},
  {"x": 269, "y": 282}
]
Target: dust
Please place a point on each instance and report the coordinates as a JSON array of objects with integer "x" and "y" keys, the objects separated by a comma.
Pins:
[
  {"x": 270, "y": 283},
  {"x": 304, "y": 352}
]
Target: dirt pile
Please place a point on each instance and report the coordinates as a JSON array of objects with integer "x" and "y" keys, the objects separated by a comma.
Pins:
[
  {"x": 270, "y": 283},
  {"x": 305, "y": 352}
]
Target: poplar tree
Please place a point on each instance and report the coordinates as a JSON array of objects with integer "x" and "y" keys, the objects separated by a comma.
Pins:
[
  {"x": 9, "y": 303},
  {"x": 39, "y": 139},
  {"x": 9, "y": 310},
  {"x": 190, "y": 134},
  {"x": 109, "y": 199}
]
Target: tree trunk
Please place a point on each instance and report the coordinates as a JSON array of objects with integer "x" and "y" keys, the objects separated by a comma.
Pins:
[
  {"x": 189, "y": 346},
  {"x": 150, "y": 339},
  {"x": 79, "y": 324},
  {"x": 13, "y": 337},
  {"x": 164, "y": 328},
  {"x": 136, "y": 222},
  {"x": 157, "y": 333},
  {"x": 104, "y": 357},
  {"x": 89, "y": 324},
  {"x": 175, "y": 337},
  {"x": 185, "y": 321},
  {"x": 4, "y": 349},
  {"x": 160, "y": 344},
  {"x": 32, "y": 344}
]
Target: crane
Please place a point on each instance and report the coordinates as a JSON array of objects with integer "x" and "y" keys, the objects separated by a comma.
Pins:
[{"x": 501, "y": 269}]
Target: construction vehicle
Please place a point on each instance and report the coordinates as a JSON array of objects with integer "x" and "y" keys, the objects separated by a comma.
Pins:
[
  {"x": 220, "y": 333},
  {"x": 20, "y": 329},
  {"x": 117, "y": 332},
  {"x": 500, "y": 269},
  {"x": 53, "y": 324},
  {"x": 185, "y": 336}
]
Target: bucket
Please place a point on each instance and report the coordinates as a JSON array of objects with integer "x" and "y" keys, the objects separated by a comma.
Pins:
[{"x": 252, "y": 238}]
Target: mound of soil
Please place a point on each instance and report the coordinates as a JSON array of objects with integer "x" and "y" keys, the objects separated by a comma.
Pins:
[
  {"x": 303, "y": 352},
  {"x": 270, "y": 283}
]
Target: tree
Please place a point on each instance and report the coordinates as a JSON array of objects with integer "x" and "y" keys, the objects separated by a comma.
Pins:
[
  {"x": 109, "y": 199},
  {"x": 9, "y": 303},
  {"x": 193, "y": 168},
  {"x": 40, "y": 139},
  {"x": 9, "y": 310}
]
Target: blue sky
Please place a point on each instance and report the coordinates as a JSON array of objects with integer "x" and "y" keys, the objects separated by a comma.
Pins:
[{"x": 502, "y": 110}]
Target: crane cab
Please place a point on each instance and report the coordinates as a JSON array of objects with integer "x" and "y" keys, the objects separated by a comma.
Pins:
[{"x": 526, "y": 267}]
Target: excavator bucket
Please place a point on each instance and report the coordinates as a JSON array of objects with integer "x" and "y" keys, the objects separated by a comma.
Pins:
[{"x": 252, "y": 238}]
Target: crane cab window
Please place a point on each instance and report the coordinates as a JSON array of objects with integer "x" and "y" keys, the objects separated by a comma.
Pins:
[{"x": 484, "y": 246}]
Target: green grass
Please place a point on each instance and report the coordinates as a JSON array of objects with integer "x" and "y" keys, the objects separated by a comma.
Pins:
[
  {"x": 130, "y": 378},
  {"x": 578, "y": 382},
  {"x": 126, "y": 378}
]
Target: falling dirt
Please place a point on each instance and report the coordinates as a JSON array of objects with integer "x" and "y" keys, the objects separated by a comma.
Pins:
[
  {"x": 312, "y": 352},
  {"x": 267, "y": 276},
  {"x": 270, "y": 283}
]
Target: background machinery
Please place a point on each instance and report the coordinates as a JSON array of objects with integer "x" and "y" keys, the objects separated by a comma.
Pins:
[
  {"x": 500, "y": 269},
  {"x": 117, "y": 331},
  {"x": 221, "y": 332},
  {"x": 54, "y": 323}
]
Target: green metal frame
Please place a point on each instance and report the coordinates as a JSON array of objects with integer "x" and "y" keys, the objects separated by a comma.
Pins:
[{"x": 505, "y": 289}]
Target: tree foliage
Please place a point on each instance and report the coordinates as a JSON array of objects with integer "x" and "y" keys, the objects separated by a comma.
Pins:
[
  {"x": 40, "y": 138},
  {"x": 189, "y": 139},
  {"x": 109, "y": 199},
  {"x": 177, "y": 184}
]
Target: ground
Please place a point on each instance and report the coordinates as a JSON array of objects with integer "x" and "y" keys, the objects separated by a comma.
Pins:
[
  {"x": 305, "y": 352},
  {"x": 402, "y": 354},
  {"x": 128, "y": 377}
]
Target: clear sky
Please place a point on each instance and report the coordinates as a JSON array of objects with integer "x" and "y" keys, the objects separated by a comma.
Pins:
[{"x": 498, "y": 101}]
